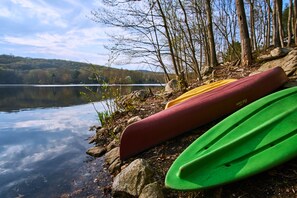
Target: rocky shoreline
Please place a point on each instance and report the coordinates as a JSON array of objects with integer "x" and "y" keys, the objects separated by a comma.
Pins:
[{"x": 143, "y": 175}]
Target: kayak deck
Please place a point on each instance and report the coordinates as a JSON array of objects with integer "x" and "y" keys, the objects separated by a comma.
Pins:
[
  {"x": 255, "y": 138},
  {"x": 198, "y": 91}
]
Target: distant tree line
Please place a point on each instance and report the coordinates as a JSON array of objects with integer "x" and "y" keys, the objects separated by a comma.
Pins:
[
  {"x": 194, "y": 36},
  {"x": 19, "y": 70}
]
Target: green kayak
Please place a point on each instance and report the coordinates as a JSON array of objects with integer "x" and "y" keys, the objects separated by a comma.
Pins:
[{"x": 256, "y": 138}]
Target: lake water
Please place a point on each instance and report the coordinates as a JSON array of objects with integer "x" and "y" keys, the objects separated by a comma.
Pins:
[{"x": 43, "y": 132}]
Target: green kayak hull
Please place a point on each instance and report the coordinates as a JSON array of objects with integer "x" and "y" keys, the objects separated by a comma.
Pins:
[{"x": 258, "y": 137}]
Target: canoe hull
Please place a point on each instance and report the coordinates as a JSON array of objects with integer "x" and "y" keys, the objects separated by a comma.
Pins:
[
  {"x": 197, "y": 111},
  {"x": 258, "y": 137}
]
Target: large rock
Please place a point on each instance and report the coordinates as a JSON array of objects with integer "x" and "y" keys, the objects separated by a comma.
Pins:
[
  {"x": 96, "y": 151},
  {"x": 141, "y": 94},
  {"x": 112, "y": 159},
  {"x": 132, "y": 179},
  {"x": 137, "y": 95},
  {"x": 112, "y": 155},
  {"x": 171, "y": 86},
  {"x": 279, "y": 52},
  {"x": 288, "y": 63},
  {"x": 115, "y": 166},
  {"x": 152, "y": 190}
]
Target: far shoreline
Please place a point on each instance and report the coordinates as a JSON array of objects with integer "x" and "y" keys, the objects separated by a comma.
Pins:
[{"x": 82, "y": 85}]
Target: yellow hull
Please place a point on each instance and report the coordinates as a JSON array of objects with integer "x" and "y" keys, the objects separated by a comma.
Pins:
[{"x": 198, "y": 91}]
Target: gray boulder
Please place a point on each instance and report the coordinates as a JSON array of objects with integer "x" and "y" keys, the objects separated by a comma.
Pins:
[
  {"x": 115, "y": 166},
  {"x": 141, "y": 95},
  {"x": 112, "y": 155},
  {"x": 288, "y": 63},
  {"x": 132, "y": 179},
  {"x": 152, "y": 190},
  {"x": 171, "y": 86},
  {"x": 279, "y": 52},
  {"x": 96, "y": 151},
  {"x": 112, "y": 159}
]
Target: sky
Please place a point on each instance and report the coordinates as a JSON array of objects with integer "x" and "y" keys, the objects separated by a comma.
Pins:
[{"x": 59, "y": 29}]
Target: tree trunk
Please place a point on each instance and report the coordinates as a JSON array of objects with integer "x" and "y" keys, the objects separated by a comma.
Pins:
[
  {"x": 268, "y": 23},
  {"x": 295, "y": 21},
  {"x": 252, "y": 25},
  {"x": 279, "y": 5},
  {"x": 289, "y": 24},
  {"x": 211, "y": 43},
  {"x": 246, "y": 52},
  {"x": 276, "y": 40}
]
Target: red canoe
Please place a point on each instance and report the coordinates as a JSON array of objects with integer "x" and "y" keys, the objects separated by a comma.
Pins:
[{"x": 198, "y": 111}]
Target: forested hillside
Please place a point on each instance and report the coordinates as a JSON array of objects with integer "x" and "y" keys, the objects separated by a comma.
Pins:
[{"x": 14, "y": 69}]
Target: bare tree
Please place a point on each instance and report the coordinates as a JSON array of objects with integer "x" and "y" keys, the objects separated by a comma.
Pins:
[
  {"x": 226, "y": 25},
  {"x": 268, "y": 23},
  {"x": 276, "y": 37},
  {"x": 246, "y": 52},
  {"x": 211, "y": 43},
  {"x": 295, "y": 21},
  {"x": 289, "y": 26},
  {"x": 252, "y": 25},
  {"x": 279, "y": 5},
  {"x": 190, "y": 40}
]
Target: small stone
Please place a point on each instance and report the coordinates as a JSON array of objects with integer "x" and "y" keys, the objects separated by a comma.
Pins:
[
  {"x": 133, "y": 119},
  {"x": 112, "y": 145},
  {"x": 92, "y": 139},
  {"x": 101, "y": 131},
  {"x": 93, "y": 128},
  {"x": 96, "y": 151},
  {"x": 117, "y": 129}
]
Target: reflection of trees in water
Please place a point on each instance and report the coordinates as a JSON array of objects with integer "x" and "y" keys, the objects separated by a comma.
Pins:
[{"x": 16, "y": 98}]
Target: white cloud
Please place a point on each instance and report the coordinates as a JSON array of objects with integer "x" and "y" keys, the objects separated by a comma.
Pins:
[
  {"x": 42, "y": 11},
  {"x": 85, "y": 44},
  {"x": 35, "y": 154},
  {"x": 4, "y": 12},
  {"x": 56, "y": 120},
  {"x": 45, "y": 152}
]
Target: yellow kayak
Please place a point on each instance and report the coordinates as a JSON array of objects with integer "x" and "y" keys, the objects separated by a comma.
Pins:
[{"x": 197, "y": 91}]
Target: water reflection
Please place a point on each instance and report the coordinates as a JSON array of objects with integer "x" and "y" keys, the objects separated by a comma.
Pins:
[
  {"x": 42, "y": 150},
  {"x": 14, "y": 98}
]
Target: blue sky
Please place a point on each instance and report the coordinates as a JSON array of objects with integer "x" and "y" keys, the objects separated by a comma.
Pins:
[{"x": 60, "y": 29}]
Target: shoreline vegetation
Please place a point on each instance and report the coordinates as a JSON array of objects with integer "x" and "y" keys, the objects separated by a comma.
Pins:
[{"x": 150, "y": 167}]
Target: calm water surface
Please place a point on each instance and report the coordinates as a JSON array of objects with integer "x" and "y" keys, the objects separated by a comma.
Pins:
[{"x": 43, "y": 132}]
